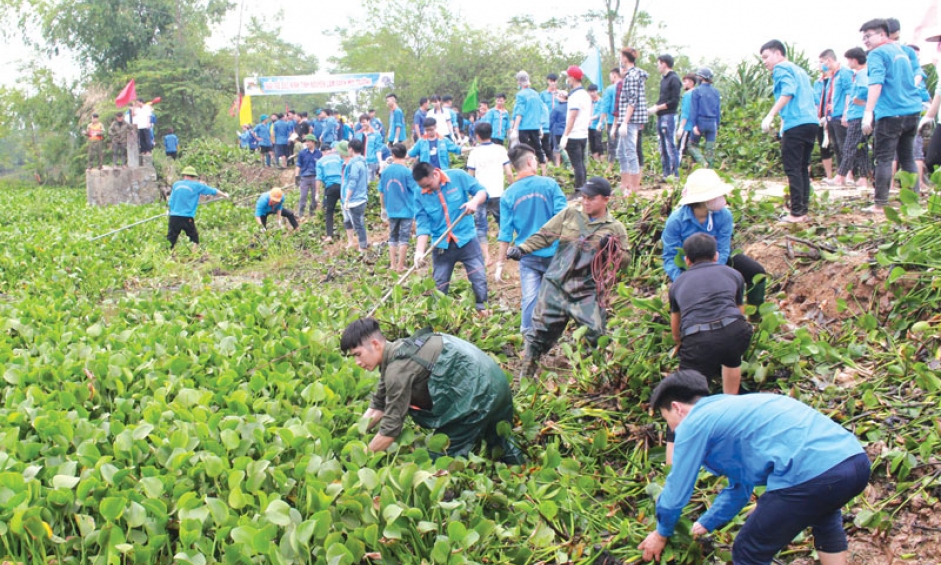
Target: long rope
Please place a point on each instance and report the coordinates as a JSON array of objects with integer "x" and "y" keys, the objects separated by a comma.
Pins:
[{"x": 604, "y": 269}]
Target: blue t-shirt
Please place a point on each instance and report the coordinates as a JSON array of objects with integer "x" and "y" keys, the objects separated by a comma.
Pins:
[
  {"x": 889, "y": 66},
  {"x": 753, "y": 440},
  {"x": 595, "y": 115},
  {"x": 264, "y": 134},
  {"x": 791, "y": 80},
  {"x": 557, "y": 118},
  {"x": 499, "y": 121},
  {"x": 430, "y": 215},
  {"x": 330, "y": 169},
  {"x": 329, "y": 133},
  {"x": 374, "y": 145},
  {"x": 607, "y": 102},
  {"x": 355, "y": 182},
  {"x": 529, "y": 107},
  {"x": 397, "y": 120},
  {"x": 399, "y": 191},
  {"x": 437, "y": 149},
  {"x": 307, "y": 161},
  {"x": 860, "y": 91},
  {"x": 685, "y": 104},
  {"x": 549, "y": 99},
  {"x": 245, "y": 139},
  {"x": 316, "y": 128},
  {"x": 682, "y": 223},
  {"x": 376, "y": 124},
  {"x": 184, "y": 197},
  {"x": 418, "y": 118},
  {"x": 842, "y": 85},
  {"x": 264, "y": 206},
  {"x": 170, "y": 143},
  {"x": 526, "y": 206},
  {"x": 282, "y": 131}
]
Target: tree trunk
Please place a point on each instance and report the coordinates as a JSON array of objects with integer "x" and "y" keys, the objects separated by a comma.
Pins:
[{"x": 630, "y": 28}]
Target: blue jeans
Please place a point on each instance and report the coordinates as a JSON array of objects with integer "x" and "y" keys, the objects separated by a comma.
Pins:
[
  {"x": 627, "y": 150},
  {"x": 894, "y": 136},
  {"x": 532, "y": 269},
  {"x": 444, "y": 260},
  {"x": 666, "y": 125},
  {"x": 357, "y": 221}
]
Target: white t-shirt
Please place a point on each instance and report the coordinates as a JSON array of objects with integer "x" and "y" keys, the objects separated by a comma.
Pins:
[
  {"x": 142, "y": 116},
  {"x": 442, "y": 121},
  {"x": 487, "y": 161},
  {"x": 580, "y": 99}
]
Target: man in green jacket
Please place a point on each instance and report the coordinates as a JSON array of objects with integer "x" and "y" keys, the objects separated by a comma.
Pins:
[
  {"x": 569, "y": 290},
  {"x": 444, "y": 383}
]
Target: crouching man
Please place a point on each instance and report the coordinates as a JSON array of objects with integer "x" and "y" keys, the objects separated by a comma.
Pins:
[
  {"x": 810, "y": 465},
  {"x": 444, "y": 383}
]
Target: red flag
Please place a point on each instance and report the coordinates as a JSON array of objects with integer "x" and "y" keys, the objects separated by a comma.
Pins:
[
  {"x": 236, "y": 104},
  {"x": 128, "y": 95}
]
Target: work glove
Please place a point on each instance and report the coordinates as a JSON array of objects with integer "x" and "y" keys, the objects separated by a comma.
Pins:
[
  {"x": 384, "y": 216},
  {"x": 514, "y": 136},
  {"x": 622, "y": 130},
  {"x": 614, "y": 130},
  {"x": 766, "y": 123},
  {"x": 419, "y": 259},
  {"x": 823, "y": 122},
  {"x": 867, "y": 122},
  {"x": 297, "y": 180},
  {"x": 514, "y": 253},
  {"x": 926, "y": 126},
  {"x": 280, "y": 223},
  {"x": 498, "y": 273},
  {"x": 652, "y": 109},
  {"x": 563, "y": 142}
]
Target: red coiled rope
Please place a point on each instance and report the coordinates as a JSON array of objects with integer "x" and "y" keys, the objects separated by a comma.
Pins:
[{"x": 604, "y": 268}]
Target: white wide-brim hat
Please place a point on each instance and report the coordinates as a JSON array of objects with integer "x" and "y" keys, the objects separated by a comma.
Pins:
[{"x": 702, "y": 186}]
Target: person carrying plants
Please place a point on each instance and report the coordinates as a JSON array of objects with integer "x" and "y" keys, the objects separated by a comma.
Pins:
[
  {"x": 570, "y": 288},
  {"x": 702, "y": 209},
  {"x": 811, "y": 467},
  {"x": 272, "y": 202},
  {"x": 184, "y": 199},
  {"x": 445, "y": 383}
]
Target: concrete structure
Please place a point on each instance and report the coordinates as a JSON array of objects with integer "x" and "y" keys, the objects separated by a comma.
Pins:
[{"x": 136, "y": 184}]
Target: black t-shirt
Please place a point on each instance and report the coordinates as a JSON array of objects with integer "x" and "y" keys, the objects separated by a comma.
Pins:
[{"x": 707, "y": 292}]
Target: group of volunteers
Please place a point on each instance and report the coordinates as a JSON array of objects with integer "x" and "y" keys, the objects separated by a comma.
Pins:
[
  {"x": 138, "y": 122},
  {"x": 569, "y": 254},
  {"x": 876, "y": 98}
]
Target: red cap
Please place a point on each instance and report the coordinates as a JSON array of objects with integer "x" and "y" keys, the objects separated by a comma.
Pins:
[{"x": 575, "y": 73}]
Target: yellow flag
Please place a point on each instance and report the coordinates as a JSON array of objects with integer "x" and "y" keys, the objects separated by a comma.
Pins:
[{"x": 245, "y": 112}]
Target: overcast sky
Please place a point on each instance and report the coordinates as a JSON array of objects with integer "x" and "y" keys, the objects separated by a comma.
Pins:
[{"x": 725, "y": 29}]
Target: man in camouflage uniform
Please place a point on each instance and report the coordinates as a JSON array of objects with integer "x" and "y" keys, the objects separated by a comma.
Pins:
[
  {"x": 118, "y": 134},
  {"x": 569, "y": 289}
]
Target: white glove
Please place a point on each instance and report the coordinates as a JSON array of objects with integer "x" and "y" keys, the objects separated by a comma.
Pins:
[
  {"x": 926, "y": 126},
  {"x": 384, "y": 216},
  {"x": 498, "y": 274},
  {"x": 280, "y": 223},
  {"x": 823, "y": 122},
  {"x": 614, "y": 130},
  {"x": 418, "y": 259},
  {"x": 622, "y": 130},
  {"x": 652, "y": 109},
  {"x": 514, "y": 135},
  {"x": 766, "y": 123},
  {"x": 867, "y": 122},
  {"x": 563, "y": 142},
  {"x": 826, "y": 139}
]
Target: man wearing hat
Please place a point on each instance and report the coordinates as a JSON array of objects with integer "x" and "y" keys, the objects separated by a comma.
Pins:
[
  {"x": 702, "y": 209},
  {"x": 272, "y": 202},
  {"x": 263, "y": 134},
  {"x": 578, "y": 118},
  {"x": 810, "y": 465},
  {"x": 184, "y": 199},
  {"x": 306, "y": 171},
  {"x": 705, "y": 111},
  {"x": 433, "y": 147},
  {"x": 568, "y": 288},
  {"x": 527, "y": 118}
]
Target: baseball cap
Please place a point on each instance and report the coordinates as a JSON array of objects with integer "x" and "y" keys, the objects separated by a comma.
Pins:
[
  {"x": 575, "y": 73},
  {"x": 263, "y": 117},
  {"x": 275, "y": 195},
  {"x": 596, "y": 186}
]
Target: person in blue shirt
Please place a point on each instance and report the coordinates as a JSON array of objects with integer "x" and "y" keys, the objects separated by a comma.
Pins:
[
  {"x": 685, "y": 127},
  {"x": 418, "y": 118},
  {"x": 839, "y": 86},
  {"x": 316, "y": 125},
  {"x": 329, "y": 177},
  {"x": 893, "y": 109},
  {"x": 398, "y": 193},
  {"x": 354, "y": 195},
  {"x": 595, "y": 127},
  {"x": 702, "y": 209},
  {"x": 608, "y": 109},
  {"x": 498, "y": 118},
  {"x": 444, "y": 196},
  {"x": 184, "y": 199},
  {"x": 306, "y": 171},
  {"x": 272, "y": 202},
  {"x": 855, "y": 145},
  {"x": 247, "y": 139},
  {"x": 377, "y": 123},
  {"x": 372, "y": 145},
  {"x": 330, "y": 128},
  {"x": 346, "y": 132},
  {"x": 432, "y": 148},
  {"x": 810, "y": 465},
  {"x": 794, "y": 101},
  {"x": 397, "y": 130},
  {"x": 525, "y": 208},
  {"x": 705, "y": 114},
  {"x": 550, "y": 99},
  {"x": 283, "y": 128},
  {"x": 263, "y": 135},
  {"x": 526, "y": 123},
  {"x": 171, "y": 144},
  {"x": 557, "y": 117}
]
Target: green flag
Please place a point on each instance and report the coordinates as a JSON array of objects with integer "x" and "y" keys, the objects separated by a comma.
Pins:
[{"x": 470, "y": 101}]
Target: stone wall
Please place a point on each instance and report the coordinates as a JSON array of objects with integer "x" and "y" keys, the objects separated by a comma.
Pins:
[{"x": 133, "y": 185}]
